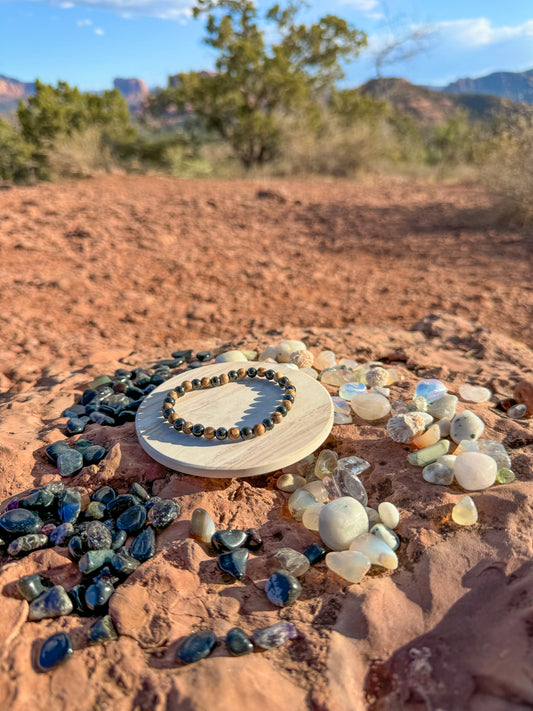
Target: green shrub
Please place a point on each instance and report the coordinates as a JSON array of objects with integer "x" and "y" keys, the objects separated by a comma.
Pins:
[{"x": 16, "y": 162}]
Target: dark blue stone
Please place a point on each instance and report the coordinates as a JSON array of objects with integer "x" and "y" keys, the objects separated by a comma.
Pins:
[
  {"x": 75, "y": 426},
  {"x": 282, "y": 588},
  {"x": 163, "y": 512},
  {"x": 234, "y": 563},
  {"x": 97, "y": 595},
  {"x": 103, "y": 630},
  {"x": 143, "y": 546},
  {"x": 121, "y": 503},
  {"x": 133, "y": 519},
  {"x": 69, "y": 505},
  {"x": 119, "y": 538},
  {"x": 52, "y": 603},
  {"x": 53, "y": 450},
  {"x": 99, "y": 537},
  {"x": 31, "y": 586},
  {"x": 105, "y": 494},
  {"x": 101, "y": 419},
  {"x": 135, "y": 393},
  {"x": 62, "y": 534},
  {"x": 125, "y": 416},
  {"x": 94, "y": 560},
  {"x": 56, "y": 487},
  {"x": 203, "y": 356},
  {"x": 76, "y": 548},
  {"x": 275, "y": 635},
  {"x": 254, "y": 542},
  {"x": 140, "y": 492},
  {"x": 197, "y": 646},
  {"x": 187, "y": 355},
  {"x": 124, "y": 564},
  {"x": 152, "y": 501},
  {"x": 149, "y": 388},
  {"x": 159, "y": 378},
  {"x": 55, "y": 650},
  {"x": 142, "y": 378},
  {"x": 87, "y": 396},
  {"x": 228, "y": 540},
  {"x": 69, "y": 462},
  {"x": 315, "y": 553},
  {"x": 20, "y": 522},
  {"x": 93, "y": 455},
  {"x": 38, "y": 499},
  {"x": 74, "y": 411},
  {"x": 77, "y": 598},
  {"x": 124, "y": 372},
  {"x": 238, "y": 642},
  {"x": 106, "y": 573}
]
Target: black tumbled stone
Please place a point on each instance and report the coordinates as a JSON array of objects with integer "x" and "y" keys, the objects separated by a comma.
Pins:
[
  {"x": 75, "y": 426},
  {"x": 20, "y": 522},
  {"x": 234, "y": 563},
  {"x": 55, "y": 649},
  {"x": 186, "y": 355},
  {"x": 94, "y": 560},
  {"x": 97, "y": 595},
  {"x": 119, "y": 538},
  {"x": 52, "y": 603},
  {"x": 254, "y": 542},
  {"x": 238, "y": 642},
  {"x": 53, "y": 450},
  {"x": 105, "y": 494},
  {"x": 103, "y": 630},
  {"x": 140, "y": 492},
  {"x": 203, "y": 356},
  {"x": 282, "y": 588},
  {"x": 31, "y": 586},
  {"x": 143, "y": 546},
  {"x": 124, "y": 564},
  {"x": 162, "y": 513},
  {"x": 38, "y": 499},
  {"x": 152, "y": 501},
  {"x": 98, "y": 536},
  {"x": 197, "y": 646},
  {"x": 315, "y": 553},
  {"x": 76, "y": 547},
  {"x": 95, "y": 511},
  {"x": 228, "y": 540},
  {"x": 87, "y": 396},
  {"x": 69, "y": 462},
  {"x": 121, "y": 503},
  {"x": 93, "y": 454},
  {"x": 62, "y": 534},
  {"x": 77, "y": 597},
  {"x": 133, "y": 519}
]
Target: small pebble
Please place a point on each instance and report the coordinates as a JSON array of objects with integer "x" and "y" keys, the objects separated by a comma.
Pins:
[
  {"x": 438, "y": 473},
  {"x": 104, "y": 494},
  {"x": 444, "y": 407},
  {"x": 349, "y": 484},
  {"x": 139, "y": 491},
  {"x": 341, "y": 521},
  {"x": 475, "y": 471},
  {"x": 290, "y": 482},
  {"x": 27, "y": 543},
  {"x": 299, "y": 501},
  {"x": 75, "y": 426},
  {"x": 143, "y": 546},
  {"x": 133, "y": 519},
  {"x": 290, "y": 560},
  {"x": 228, "y": 540},
  {"x": 370, "y": 406},
  {"x": 54, "y": 449},
  {"x": 354, "y": 464},
  {"x": 315, "y": 553},
  {"x": 98, "y": 536},
  {"x": 69, "y": 505},
  {"x": 427, "y": 438},
  {"x": 96, "y": 511},
  {"x": 196, "y": 646},
  {"x": 325, "y": 359},
  {"x": 339, "y": 418},
  {"x": 31, "y": 586},
  {"x": 349, "y": 565},
  {"x": 124, "y": 564},
  {"x": 202, "y": 526},
  {"x": 517, "y": 412},
  {"x": 377, "y": 377},
  {"x": 230, "y": 357},
  {"x": 311, "y": 516},
  {"x": 389, "y": 514},
  {"x": 53, "y": 603},
  {"x": 234, "y": 563},
  {"x": 466, "y": 425},
  {"x": 93, "y": 560},
  {"x": 402, "y": 428},
  {"x": 274, "y": 636},
  {"x": 254, "y": 542},
  {"x": 430, "y": 389},
  {"x": 387, "y": 535},
  {"x": 376, "y": 550},
  {"x": 348, "y": 390},
  {"x": 474, "y": 393},
  {"x": 238, "y": 642},
  {"x": 429, "y": 454},
  {"x": 505, "y": 476},
  {"x": 102, "y": 630},
  {"x": 69, "y": 462},
  {"x": 55, "y": 649},
  {"x": 496, "y": 450},
  {"x": 97, "y": 595},
  {"x": 163, "y": 513},
  {"x": 325, "y": 463},
  {"x": 465, "y": 512},
  {"x": 282, "y": 588},
  {"x": 337, "y": 376},
  {"x": 20, "y": 521}
]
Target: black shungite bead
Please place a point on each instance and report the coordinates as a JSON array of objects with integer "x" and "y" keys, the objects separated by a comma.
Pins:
[
  {"x": 31, "y": 586},
  {"x": 221, "y": 433},
  {"x": 143, "y": 546},
  {"x": 283, "y": 382},
  {"x": 140, "y": 492},
  {"x": 121, "y": 503},
  {"x": 55, "y": 649},
  {"x": 124, "y": 564},
  {"x": 203, "y": 356},
  {"x": 215, "y": 381},
  {"x": 133, "y": 519},
  {"x": 289, "y": 396},
  {"x": 102, "y": 631},
  {"x": 98, "y": 536},
  {"x": 233, "y": 375},
  {"x": 254, "y": 542},
  {"x": 19, "y": 522},
  {"x": 282, "y": 588},
  {"x": 282, "y": 410},
  {"x": 69, "y": 505},
  {"x": 169, "y": 400},
  {"x": 196, "y": 384},
  {"x": 268, "y": 424},
  {"x": 228, "y": 540},
  {"x": 168, "y": 411},
  {"x": 180, "y": 390},
  {"x": 178, "y": 424},
  {"x": 246, "y": 433},
  {"x": 238, "y": 642},
  {"x": 198, "y": 430},
  {"x": 53, "y": 450},
  {"x": 97, "y": 595},
  {"x": 197, "y": 646},
  {"x": 69, "y": 462},
  {"x": 234, "y": 563},
  {"x": 269, "y": 375},
  {"x": 162, "y": 513},
  {"x": 76, "y": 548},
  {"x": 315, "y": 553},
  {"x": 105, "y": 494},
  {"x": 251, "y": 372}
]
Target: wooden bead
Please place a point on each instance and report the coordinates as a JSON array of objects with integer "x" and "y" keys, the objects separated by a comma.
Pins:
[
  {"x": 258, "y": 430},
  {"x": 234, "y": 433},
  {"x": 173, "y": 394},
  {"x": 187, "y": 427},
  {"x": 206, "y": 382},
  {"x": 261, "y": 372},
  {"x": 287, "y": 404},
  {"x": 187, "y": 385},
  {"x": 173, "y": 417},
  {"x": 276, "y": 417},
  {"x": 278, "y": 376},
  {"x": 241, "y": 373},
  {"x": 209, "y": 432},
  {"x": 291, "y": 385},
  {"x": 224, "y": 380}
]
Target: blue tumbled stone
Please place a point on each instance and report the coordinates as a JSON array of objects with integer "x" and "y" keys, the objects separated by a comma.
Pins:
[
  {"x": 315, "y": 553},
  {"x": 105, "y": 494},
  {"x": 31, "y": 586},
  {"x": 69, "y": 462},
  {"x": 133, "y": 519},
  {"x": 228, "y": 540},
  {"x": 140, "y": 492},
  {"x": 197, "y": 646},
  {"x": 97, "y": 595},
  {"x": 102, "y": 631},
  {"x": 119, "y": 538},
  {"x": 143, "y": 546},
  {"x": 102, "y": 419},
  {"x": 54, "y": 449},
  {"x": 52, "y": 603},
  {"x": 282, "y": 588},
  {"x": 124, "y": 564},
  {"x": 61, "y": 534},
  {"x": 234, "y": 562},
  {"x": 75, "y": 426},
  {"x": 20, "y": 522},
  {"x": 274, "y": 635},
  {"x": 430, "y": 389},
  {"x": 120, "y": 503},
  {"x": 38, "y": 499},
  {"x": 93, "y": 455},
  {"x": 69, "y": 505},
  {"x": 55, "y": 649},
  {"x": 238, "y": 642}
]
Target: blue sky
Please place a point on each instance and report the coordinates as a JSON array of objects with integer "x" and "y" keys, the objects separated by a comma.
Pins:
[{"x": 89, "y": 42}]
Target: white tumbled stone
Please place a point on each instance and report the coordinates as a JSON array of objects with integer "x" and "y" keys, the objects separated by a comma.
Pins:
[
  {"x": 389, "y": 514},
  {"x": 292, "y": 561},
  {"x": 311, "y": 516},
  {"x": 474, "y": 470},
  {"x": 387, "y": 535},
  {"x": 341, "y": 521},
  {"x": 376, "y": 550},
  {"x": 444, "y": 427},
  {"x": 444, "y": 407},
  {"x": 269, "y": 352},
  {"x": 448, "y": 459},
  {"x": 370, "y": 406},
  {"x": 290, "y": 482},
  {"x": 474, "y": 393},
  {"x": 466, "y": 425},
  {"x": 349, "y": 565},
  {"x": 202, "y": 526},
  {"x": 230, "y": 357},
  {"x": 325, "y": 359},
  {"x": 426, "y": 417}
]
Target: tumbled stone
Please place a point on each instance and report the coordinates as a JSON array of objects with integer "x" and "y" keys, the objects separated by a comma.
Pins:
[
  {"x": 387, "y": 535},
  {"x": 444, "y": 407},
  {"x": 290, "y": 560},
  {"x": 341, "y": 521},
  {"x": 95, "y": 559},
  {"x": 389, "y": 514},
  {"x": 282, "y": 588},
  {"x": 418, "y": 404},
  {"x": 290, "y": 482},
  {"x": 444, "y": 427},
  {"x": 133, "y": 519},
  {"x": 202, "y": 526},
  {"x": 438, "y": 473},
  {"x": 315, "y": 553},
  {"x": 348, "y": 390},
  {"x": 69, "y": 506},
  {"x": 426, "y": 418},
  {"x": 31, "y": 586},
  {"x": 354, "y": 464},
  {"x": 95, "y": 511},
  {"x": 430, "y": 389},
  {"x": 325, "y": 463},
  {"x": 373, "y": 516},
  {"x": 402, "y": 428},
  {"x": 196, "y": 646},
  {"x": 349, "y": 565},
  {"x": 370, "y": 406},
  {"x": 337, "y": 376},
  {"x": 376, "y": 550},
  {"x": 299, "y": 501},
  {"x": 339, "y": 418},
  {"x": 52, "y": 603},
  {"x": 325, "y": 359},
  {"x": 121, "y": 503},
  {"x": 230, "y": 357},
  {"x": 317, "y": 489},
  {"x": 465, "y": 512},
  {"x": 104, "y": 494},
  {"x": 427, "y": 438},
  {"x": 27, "y": 543},
  {"x": 475, "y": 393},
  {"x": 20, "y": 522},
  {"x": 517, "y": 412},
  {"x": 275, "y": 635},
  {"x": 311, "y": 516},
  {"x": 234, "y": 563},
  {"x": 399, "y": 407},
  {"x": 69, "y": 462},
  {"x": 143, "y": 546},
  {"x": 505, "y": 476},
  {"x": 124, "y": 564},
  {"x": 238, "y": 642},
  {"x": 97, "y": 595},
  {"x": 41, "y": 499},
  {"x": 98, "y": 536},
  {"x": 340, "y": 405},
  {"x": 75, "y": 426},
  {"x": 349, "y": 484},
  {"x": 119, "y": 538},
  {"x": 380, "y": 391},
  {"x": 475, "y": 471},
  {"x": 163, "y": 513},
  {"x": 269, "y": 352},
  {"x": 54, "y": 650},
  {"x": 496, "y": 450},
  {"x": 466, "y": 425},
  {"x": 466, "y": 445},
  {"x": 429, "y": 454},
  {"x": 228, "y": 540},
  {"x": 377, "y": 377},
  {"x": 54, "y": 449},
  {"x": 76, "y": 547},
  {"x": 102, "y": 631}
]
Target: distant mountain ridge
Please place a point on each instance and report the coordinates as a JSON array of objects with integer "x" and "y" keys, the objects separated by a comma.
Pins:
[{"x": 516, "y": 86}]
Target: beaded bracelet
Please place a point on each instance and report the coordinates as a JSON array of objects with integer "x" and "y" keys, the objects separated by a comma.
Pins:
[{"x": 234, "y": 433}]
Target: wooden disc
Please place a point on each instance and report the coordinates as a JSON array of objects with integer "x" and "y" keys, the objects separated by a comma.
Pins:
[{"x": 242, "y": 403}]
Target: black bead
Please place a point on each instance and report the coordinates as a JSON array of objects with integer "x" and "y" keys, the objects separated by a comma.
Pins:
[
  {"x": 215, "y": 381},
  {"x": 196, "y": 384},
  {"x": 268, "y": 424},
  {"x": 221, "y": 433},
  {"x": 178, "y": 424},
  {"x": 282, "y": 410},
  {"x": 288, "y": 396},
  {"x": 283, "y": 382},
  {"x": 233, "y": 375},
  {"x": 170, "y": 400},
  {"x": 203, "y": 356},
  {"x": 315, "y": 553},
  {"x": 251, "y": 372},
  {"x": 269, "y": 375},
  {"x": 246, "y": 433},
  {"x": 167, "y": 412},
  {"x": 290, "y": 387},
  {"x": 180, "y": 390},
  {"x": 198, "y": 430},
  {"x": 238, "y": 642}
]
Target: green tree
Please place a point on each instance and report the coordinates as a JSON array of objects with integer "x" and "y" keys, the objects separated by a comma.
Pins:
[
  {"x": 258, "y": 82},
  {"x": 15, "y": 155}
]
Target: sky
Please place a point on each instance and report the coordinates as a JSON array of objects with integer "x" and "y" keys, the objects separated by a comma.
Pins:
[{"x": 89, "y": 42}]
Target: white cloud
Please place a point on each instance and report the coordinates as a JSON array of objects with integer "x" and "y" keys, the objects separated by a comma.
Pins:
[
  {"x": 98, "y": 31},
  {"x": 370, "y": 8},
  {"x": 84, "y": 23},
  {"x": 163, "y": 9},
  {"x": 479, "y": 31}
]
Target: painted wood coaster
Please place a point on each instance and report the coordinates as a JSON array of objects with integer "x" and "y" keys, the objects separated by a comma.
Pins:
[{"x": 242, "y": 403}]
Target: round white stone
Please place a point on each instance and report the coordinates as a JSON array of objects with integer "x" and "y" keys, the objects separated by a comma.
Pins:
[
  {"x": 341, "y": 521},
  {"x": 475, "y": 471},
  {"x": 230, "y": 356},
  {"x": 350, "y": 565},
  {"x": 370, "y": 406},
  {"x": 376, "y": 550},
  {"x": 389, "y": 514},
  {"x": 444, "y": 407},
  {"x": 269, "y": 352},
  {"x": 325, "y": 359},
  {"x": 475, "y": 393},
  {"x": 466, "y": 425}
]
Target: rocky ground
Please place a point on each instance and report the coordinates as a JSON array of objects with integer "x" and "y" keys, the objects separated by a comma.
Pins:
[{"x": 117, "y": 272}]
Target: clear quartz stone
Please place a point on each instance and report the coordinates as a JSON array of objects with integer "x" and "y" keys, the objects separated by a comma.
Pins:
[
  {"x": 299, "y": 501},
  {"x": 355, "y": 464},
  {"x": 349, "y": 484},
  {"x": 318, "y": 490},
  {"x": 337, "y": 376},
  {"x": 349, "y": 565},
  {"x": 340, "y": 405},
  {"x": 370, "y": 406},
  {"x": 311, "y": 516},
  {"x": 376, "y": 550},
  {"x": 325, "y": 359},
  {"x": 325, "y": 463},
  {"x": 339, "y": 418},
  {"x": 290, "y": 482},
  {"x": 496, "y": 450}
]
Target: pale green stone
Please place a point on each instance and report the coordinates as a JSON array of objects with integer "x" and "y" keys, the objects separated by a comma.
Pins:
[
  {"x": 444, "y": 407},
  {"x": 505, "y": 476},
  {"x": 251, "y": 355},
  {"x": 429, "y": 454}
]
